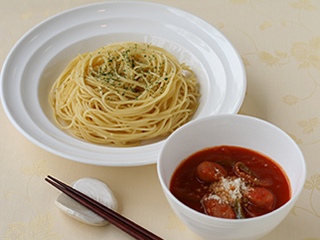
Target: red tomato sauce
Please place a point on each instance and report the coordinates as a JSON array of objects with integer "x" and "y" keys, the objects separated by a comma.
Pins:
[{"x": 187, "y": 187}]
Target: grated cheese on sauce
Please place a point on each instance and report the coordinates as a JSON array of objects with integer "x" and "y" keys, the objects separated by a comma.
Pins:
[{"x": 228, "y": 190}]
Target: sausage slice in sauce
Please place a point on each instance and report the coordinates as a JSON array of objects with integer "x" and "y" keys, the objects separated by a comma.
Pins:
[
  {"x": 217, "y": 207},
  {"x": 210, "y": 172},
  {"x": 261, "y": 198}
]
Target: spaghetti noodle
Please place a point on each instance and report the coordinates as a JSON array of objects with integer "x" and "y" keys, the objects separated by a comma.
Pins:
[{"x": 123, "y": 93}]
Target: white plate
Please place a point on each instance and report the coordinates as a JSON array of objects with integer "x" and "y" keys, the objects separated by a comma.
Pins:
[{"x": 38, "y": 58}]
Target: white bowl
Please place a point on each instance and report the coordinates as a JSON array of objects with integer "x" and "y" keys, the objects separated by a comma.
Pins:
[
  {"x": 234, "y": 130},
  {"x": 40, "y": 56}
]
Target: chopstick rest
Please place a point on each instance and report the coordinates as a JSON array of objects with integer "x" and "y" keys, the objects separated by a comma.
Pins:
[
  {"x": 126, "y": 225},
  {"x": 93, "y": 188}
]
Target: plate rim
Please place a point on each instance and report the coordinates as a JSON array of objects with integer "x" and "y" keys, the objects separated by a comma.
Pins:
[{"x": 28, "y": 135}]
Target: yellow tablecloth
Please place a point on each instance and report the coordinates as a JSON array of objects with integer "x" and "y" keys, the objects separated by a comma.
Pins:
[{"x": 279, "y": 42}]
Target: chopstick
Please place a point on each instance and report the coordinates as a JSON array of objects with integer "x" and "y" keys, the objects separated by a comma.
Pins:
[{"x": 108, "y": 214}]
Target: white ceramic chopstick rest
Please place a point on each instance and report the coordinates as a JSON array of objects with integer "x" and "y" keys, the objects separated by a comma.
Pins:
[{"x": 93, "y": 188}]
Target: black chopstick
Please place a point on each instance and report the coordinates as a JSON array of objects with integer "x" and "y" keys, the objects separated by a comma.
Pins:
[{"x": 111, "y": 216}]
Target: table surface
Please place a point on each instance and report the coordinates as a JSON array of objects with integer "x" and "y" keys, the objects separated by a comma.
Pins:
[{"x": 279, "y": 42}]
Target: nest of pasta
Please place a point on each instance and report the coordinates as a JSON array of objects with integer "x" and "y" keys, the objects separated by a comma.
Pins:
[{"x": 124, "y": 93}]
